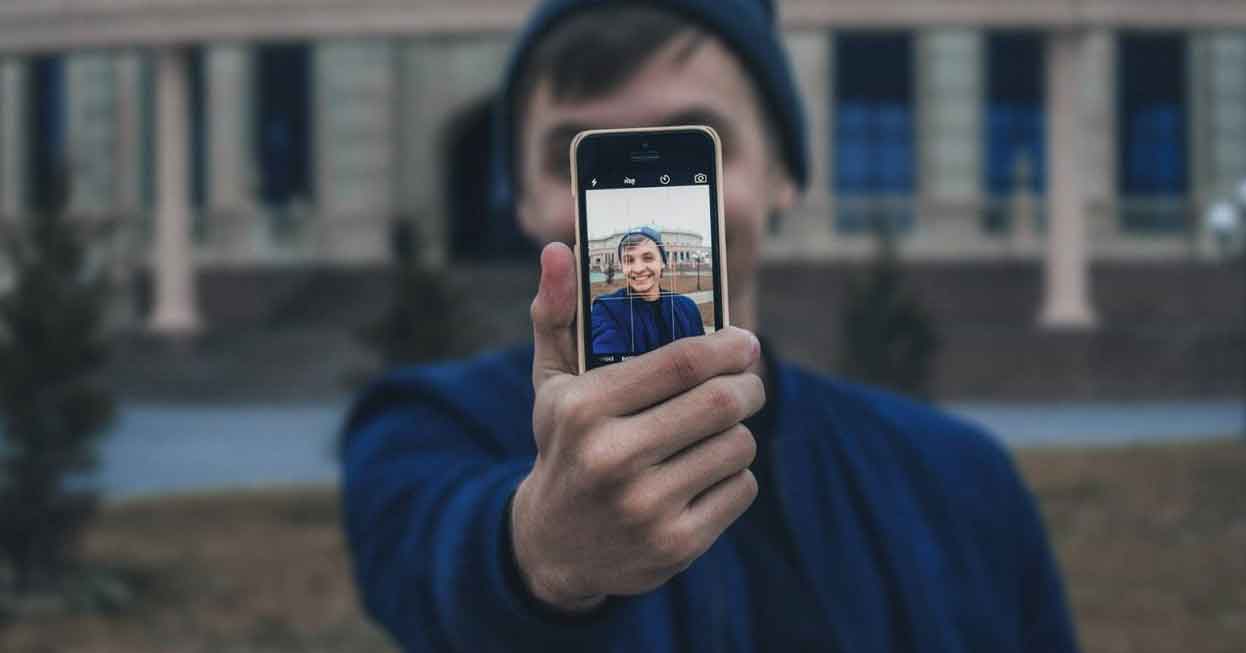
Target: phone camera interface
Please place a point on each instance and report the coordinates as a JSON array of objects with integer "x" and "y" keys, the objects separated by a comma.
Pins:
[{"x": 650, "y": 268}]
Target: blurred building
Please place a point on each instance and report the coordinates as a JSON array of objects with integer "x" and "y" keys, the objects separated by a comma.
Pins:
[{"x": 262, "y": 134}]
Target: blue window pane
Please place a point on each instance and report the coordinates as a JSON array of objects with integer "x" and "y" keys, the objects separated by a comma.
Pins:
[
  {"x": 46, "y": 131},
  {"x": 873, "y": 131},
  {"x": 283, "y": 122},
  {"x": 874, "y": 126},
  {"x": 1014, "y": 111},
  {"x": 1013, "y": 125},
  {"x": 1152, "y": 131}
]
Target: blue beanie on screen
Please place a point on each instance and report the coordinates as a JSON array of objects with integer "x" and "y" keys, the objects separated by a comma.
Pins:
[
  {"x": 749, "y": 29},
  {"x": 647, "y": 232}
]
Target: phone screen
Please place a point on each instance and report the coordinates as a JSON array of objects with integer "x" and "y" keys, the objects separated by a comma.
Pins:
[{"x": 649, "y": 242}]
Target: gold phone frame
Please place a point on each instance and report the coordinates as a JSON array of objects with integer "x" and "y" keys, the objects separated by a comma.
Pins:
[{"x": 717, "y": 197}]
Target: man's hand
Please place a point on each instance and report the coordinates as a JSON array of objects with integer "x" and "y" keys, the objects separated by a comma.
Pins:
[{"x": 640, "y": 465}]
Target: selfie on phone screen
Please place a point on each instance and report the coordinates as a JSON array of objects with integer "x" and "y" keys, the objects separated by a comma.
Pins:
[
  {"x": 649, "y": 262},
  {"x": 650, "y": 271}
]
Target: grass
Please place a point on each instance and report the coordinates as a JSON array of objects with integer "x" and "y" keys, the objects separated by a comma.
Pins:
[
  {"x": 1151, "y": 541},
  {"x": 259, "y": 571}
]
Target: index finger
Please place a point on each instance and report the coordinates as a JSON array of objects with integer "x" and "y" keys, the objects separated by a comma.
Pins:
[{"x": 638, "y": 383}]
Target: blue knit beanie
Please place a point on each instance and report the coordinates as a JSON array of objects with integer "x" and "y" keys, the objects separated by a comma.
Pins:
[
  {"x": 647, "y": 232},
  {"x": 748, "y": 27}
]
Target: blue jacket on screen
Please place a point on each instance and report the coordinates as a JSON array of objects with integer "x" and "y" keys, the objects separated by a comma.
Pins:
[
  {"x": 911, "y": 530},
  {"x": 625, "y": 325}
]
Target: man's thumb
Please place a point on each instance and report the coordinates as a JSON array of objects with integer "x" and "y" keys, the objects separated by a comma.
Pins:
[{"x": 553, "y": 316}]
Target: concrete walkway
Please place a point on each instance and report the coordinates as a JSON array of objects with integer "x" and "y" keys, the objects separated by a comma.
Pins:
[
  {"x": 159, "y": 449},
  {"x": 1105, "y": 423}
]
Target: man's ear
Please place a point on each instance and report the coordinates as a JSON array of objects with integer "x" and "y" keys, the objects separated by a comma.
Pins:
[
  {"x": 783, "y": 193},
  {"x": 524, "y": 214}
]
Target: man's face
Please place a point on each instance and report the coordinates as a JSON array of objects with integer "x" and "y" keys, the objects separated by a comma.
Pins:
[
  {"x": 707, "y": 86},
  {"x": 642, "y": 265}
]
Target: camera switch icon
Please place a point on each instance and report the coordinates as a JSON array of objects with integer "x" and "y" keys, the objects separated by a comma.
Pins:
[
  {"x": 665, "y": 179},
  {"x": 700, "y": 178}
]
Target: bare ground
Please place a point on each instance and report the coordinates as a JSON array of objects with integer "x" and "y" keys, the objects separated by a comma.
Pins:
[{"x": 1151, "y": 541}]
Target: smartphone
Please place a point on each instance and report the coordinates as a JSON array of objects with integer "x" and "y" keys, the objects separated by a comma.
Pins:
[{"x": 650, "y": 244}]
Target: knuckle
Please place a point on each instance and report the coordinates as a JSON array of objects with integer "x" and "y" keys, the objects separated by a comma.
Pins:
[
  {"x": 739, "y": 348},
  {"x": 638, "y": 506},
  {"x": 745, "y": 446},
  {"x": 671, "y": 545},
  {"x": 599, "y": 462},
  {"x": 538, "y": 312},
  {"x": 722, "y": 398},
  {"x": 684, "y": 362},
  {"x": 571, "y": 408},
  {"x": 750, "y": 486},
  {"x": 756, "y": 391}
]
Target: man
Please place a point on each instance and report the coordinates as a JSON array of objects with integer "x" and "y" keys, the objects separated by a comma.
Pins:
[
  {"x": 506, "y": 503},
  {"x": 642, "y": 316}
]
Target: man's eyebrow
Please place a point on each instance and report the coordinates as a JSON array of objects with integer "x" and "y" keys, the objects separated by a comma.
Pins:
[
  {"x": 701, "y": 116},
  {"x": 561, "y": 135}
]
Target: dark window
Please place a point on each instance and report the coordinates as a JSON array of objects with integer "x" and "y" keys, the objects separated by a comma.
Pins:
[
  {"x": 283, "y": 122},
  {"x": 196, "y": 75},
  {"x": 1014, "y": 121},
  {"x": 46, "y": 127},
  {"x": 1152, "y": 136},
  {"x": 874, "y": 151},
  {"x": 147, "y": 141}
]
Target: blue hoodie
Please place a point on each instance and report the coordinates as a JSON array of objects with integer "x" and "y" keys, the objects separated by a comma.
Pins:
[
  {"x": 909, "y": 530},
  {"x": 628, "y": 325}
]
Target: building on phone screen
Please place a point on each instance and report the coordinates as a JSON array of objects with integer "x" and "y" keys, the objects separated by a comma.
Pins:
[{"x": 684, "y": 251}]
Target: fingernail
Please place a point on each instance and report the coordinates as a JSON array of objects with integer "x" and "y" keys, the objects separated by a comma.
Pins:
[{"x": 756, "y": 344}]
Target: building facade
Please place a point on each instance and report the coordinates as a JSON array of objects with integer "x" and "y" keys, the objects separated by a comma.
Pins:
[
  {"x": 684, "y": 250},
  {"x": 286, "y": 132}
]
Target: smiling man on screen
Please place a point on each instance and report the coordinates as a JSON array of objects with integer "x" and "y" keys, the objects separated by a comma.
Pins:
[
  {"x": 642, "y": 316},
  {"x": 706, "y": 496}
]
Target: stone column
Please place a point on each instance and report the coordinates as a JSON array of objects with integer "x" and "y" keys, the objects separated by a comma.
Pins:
[
  {"x": 437, "y": 79},
  {"x": 1098, "y": 136},
  {"x": 230, "y": 201},
  {"x": 1066, "y": 301},
  {"x": 355, "y": 148},
  {"x": 950, "y": 92},
  {"x": 175, "y": 312},
  {"x": 128, "y": 194},
  {"x": 91, "y": 124},
  {"x": 12, "y": 137},
  {"x": 1218, "y": 124},
  {"x": 810, "y": 230}
]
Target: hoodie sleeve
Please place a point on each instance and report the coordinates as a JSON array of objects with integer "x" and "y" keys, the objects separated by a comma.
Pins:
[
  {"x": 426, "y": 512},
  {"x": 606, "y": 334},
  {"x": 1046, "y": 626},
  {"x": 692, "y": 315}
]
